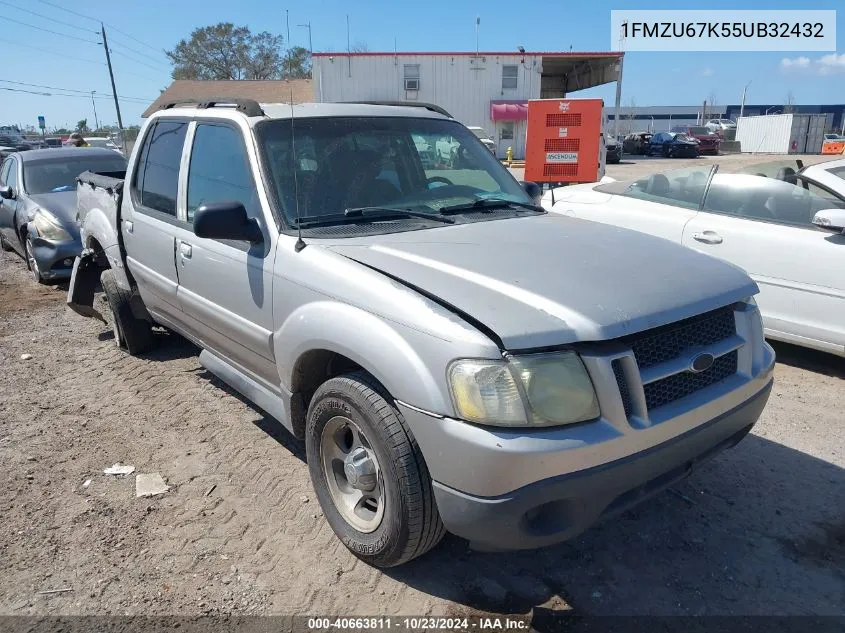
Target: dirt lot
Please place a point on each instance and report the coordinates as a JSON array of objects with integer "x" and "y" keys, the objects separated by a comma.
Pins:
[{"x": 758, "y": 530}]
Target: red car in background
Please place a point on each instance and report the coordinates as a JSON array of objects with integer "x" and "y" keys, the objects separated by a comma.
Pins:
[{"x": 708, "y": 141}]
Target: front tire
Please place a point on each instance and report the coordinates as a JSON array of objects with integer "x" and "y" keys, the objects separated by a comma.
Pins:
[
  {"x": 31, "y": 263},
  {"x": 131, "y": 334},
  {"x": 368, "y": 473}
]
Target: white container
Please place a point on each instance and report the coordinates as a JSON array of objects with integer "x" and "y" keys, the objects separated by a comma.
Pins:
[{"x": 781, "y": 133}]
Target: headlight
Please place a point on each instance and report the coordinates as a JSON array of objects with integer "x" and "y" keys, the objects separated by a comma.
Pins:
[
  {"x": 537, "y": 390},
  {"x": 49, "y": 227}
]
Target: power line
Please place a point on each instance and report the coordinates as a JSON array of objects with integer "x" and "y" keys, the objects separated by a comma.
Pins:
[
  {"x": 44, "y": 50},
  {"x": 41, "y": 15},
  {"x": 32, "y": 26},
  {"x": 137, "y": 61},
  {"x": 88, "y": 17},
  {"x": 32, "y": 92},
  {"x": 150, "y": 57},
  {"x": 83, "y": 92}
]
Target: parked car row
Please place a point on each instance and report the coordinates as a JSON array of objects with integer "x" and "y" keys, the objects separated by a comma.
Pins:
[
  {"x": 781, "y": 222},
  {"x": 449, "y": 364}
]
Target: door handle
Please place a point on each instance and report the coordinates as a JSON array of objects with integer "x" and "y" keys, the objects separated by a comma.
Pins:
[
  {"x": 127, "y": 224},
  {"x": 185, "y": 250},
  {"x": 708, "y": 237}
]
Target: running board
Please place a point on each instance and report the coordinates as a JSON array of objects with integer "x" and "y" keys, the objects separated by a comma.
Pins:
[{"x": 274, "y": 404}]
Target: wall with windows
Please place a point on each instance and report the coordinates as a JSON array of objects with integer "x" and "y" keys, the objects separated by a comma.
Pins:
[{"x": 463, "y": 84}]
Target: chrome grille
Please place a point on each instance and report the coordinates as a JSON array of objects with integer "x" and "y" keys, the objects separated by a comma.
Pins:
[
  {"x": 669, "y": 341},
  {"x": 680, "y": 385}
]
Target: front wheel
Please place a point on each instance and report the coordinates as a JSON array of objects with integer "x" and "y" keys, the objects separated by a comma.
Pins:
[
  {"x": 369, "y": 474},
  {"x": 31, "y": 263}
]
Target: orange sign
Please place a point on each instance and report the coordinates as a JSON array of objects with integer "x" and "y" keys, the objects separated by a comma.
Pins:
[
  {"x": 833, "y": 147},
  {"x": 564, "y": 140}
]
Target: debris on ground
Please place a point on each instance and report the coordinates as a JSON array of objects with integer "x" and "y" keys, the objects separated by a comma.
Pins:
[
  {"x": 51, "y": 591},
  {"x": 150, "y": 485},
  {"x": 210, "y": 490},
  {"x": 117, "y": 469},
  {"x": 87, "y": 483},
  {"x": 26, "y": 356}
]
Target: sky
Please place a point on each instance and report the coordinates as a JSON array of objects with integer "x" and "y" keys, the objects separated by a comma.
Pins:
[{"x": 64, "y": 58}]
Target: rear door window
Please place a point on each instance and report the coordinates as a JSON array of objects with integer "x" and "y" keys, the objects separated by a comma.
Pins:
[{"x": 157, "y": 178}]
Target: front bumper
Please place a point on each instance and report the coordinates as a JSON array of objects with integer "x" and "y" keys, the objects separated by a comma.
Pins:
[
  {"x": 560, "y": 508},
  {"x": 55, "y": 259}
]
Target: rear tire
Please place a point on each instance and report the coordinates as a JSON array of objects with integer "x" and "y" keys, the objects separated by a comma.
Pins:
[
  {"x": 131, "y": 334},
  {"x": 357, "y": 409}
]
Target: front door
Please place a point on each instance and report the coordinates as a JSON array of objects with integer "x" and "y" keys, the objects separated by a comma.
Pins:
[
  {"x": 149, "y": 222},
  {"x": 225, "y": 286},
  {"x": 9, "y": 207},
  {"x": 764, "y": 226},
  {"x": 506, "y": 138}
]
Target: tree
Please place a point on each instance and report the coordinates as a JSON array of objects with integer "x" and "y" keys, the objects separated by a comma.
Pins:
[
  {"x": 226, "y": 51},
  {"x": 359, "y": 47},
  {"x": 789, "y": 103},
  {"x": 297, "y": 63},
  {"x": 82, "y": 125}
]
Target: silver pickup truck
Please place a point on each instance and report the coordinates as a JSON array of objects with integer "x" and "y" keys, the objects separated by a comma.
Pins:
[{"x": 454, "y": 357}]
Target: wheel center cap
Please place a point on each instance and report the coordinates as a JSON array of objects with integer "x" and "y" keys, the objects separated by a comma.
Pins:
[{"x": 360, "y": 470}]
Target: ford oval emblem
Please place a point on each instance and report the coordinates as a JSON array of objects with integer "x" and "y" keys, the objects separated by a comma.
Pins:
[{"x": 701, "y": 363}]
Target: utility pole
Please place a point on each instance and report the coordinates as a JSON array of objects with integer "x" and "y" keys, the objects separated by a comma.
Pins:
[
  {"x": 307, "y": 25},
  {"x": 742, "y": 103},
  {"x": 287, "y": 25},
  {"x": 348, "y": 47},
  {"x": 477, "y": 27},
  {"x": 96, "y": 122},
  {"x": 619, "y": 83},
  {"x": 113, "y": 89}
]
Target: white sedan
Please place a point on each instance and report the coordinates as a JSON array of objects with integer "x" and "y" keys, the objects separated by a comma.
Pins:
[{"x": 783, "y": 224}]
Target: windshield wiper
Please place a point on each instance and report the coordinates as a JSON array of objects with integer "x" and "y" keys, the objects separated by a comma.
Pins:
[
  {"x": 483, "y": 204},
  {"x": 391, "y": 212},
  {"x": 358, "y": 215}
]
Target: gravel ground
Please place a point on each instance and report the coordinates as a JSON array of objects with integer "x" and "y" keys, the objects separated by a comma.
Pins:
[{"x": 758, "y": 530}]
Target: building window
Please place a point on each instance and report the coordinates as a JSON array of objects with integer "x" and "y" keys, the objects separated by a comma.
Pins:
[
  {"x": 510, "y": 75},
  {"x": 412, "y": 76},
  {"x": 506, "y": 131}
]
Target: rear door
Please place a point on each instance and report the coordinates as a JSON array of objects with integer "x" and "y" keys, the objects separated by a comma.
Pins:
[
  {"x": 225, "y": 286},
  {"x": 764, "y": 226},
  {"x": 150, "y": 220}
]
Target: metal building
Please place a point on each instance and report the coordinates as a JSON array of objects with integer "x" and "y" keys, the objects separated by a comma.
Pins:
[{"x": 488, "y": 90}]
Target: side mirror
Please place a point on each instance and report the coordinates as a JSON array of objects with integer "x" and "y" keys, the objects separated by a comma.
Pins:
[
  {"x": 830, "y": 220},
  {"x": 226, "y": 221},
  {"x": 6, "y": 193},
  {"x": 534, "y": 191}
]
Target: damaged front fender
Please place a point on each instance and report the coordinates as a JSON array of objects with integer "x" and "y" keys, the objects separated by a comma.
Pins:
[{"x": 83, "y": 283}]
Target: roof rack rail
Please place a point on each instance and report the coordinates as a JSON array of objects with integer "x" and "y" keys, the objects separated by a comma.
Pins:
[
  {"x": 410, "y": 104},
  {"x": 249, "y": 107}
]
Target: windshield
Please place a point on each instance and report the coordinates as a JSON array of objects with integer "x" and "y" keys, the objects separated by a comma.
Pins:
[
  {"x": 702, "y": 131},
  {"x": 340, "y": 163},
  {"x": 682, "y": 137},
  {"x": 678, "y": 187},
  {"x": 59, "y": 174}
]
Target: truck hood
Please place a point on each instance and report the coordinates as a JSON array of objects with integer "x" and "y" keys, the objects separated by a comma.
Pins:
[{"x": 551, "y": 280}]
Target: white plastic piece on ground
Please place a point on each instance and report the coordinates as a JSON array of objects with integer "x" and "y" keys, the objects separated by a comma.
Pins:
[
  {"x": 150, "y": 485},
  {"x": 26, "y": 356},
  {"x": 87, "y": 483},
  {"x": 117, "y": 469}
]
